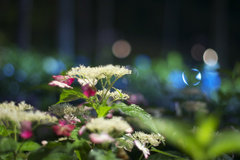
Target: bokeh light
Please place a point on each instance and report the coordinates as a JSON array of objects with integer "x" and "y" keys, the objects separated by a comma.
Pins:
[
  {"x": 210, "y": 57},
  {"x": 211, "y": 82},
  {"x": 143, "y": 62},
  {"x": 121, "y": 48},
  {"x": 8, "y": 70},
  {"x": 197, "y": 52},
  {"x": 191, "y": 77},
  {"x": 175, "y": 78},
  {"x": 53, "y": 66}
]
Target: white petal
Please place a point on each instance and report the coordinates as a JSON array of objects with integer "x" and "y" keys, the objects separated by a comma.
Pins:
[
  {"x": 59, "y": 84},
  {"x": 142, "y": 147},
  {"x": 100, "y": 138}
]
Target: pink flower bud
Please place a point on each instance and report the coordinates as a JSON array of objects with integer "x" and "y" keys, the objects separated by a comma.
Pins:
[{"x": 88, "y": 91}]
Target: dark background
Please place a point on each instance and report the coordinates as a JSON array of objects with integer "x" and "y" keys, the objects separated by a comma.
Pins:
[{"x": 153, "y": 27}]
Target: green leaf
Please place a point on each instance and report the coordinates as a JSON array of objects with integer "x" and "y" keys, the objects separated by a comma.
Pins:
[
  {"x": 78, "y": 155},
  {"x": 28, "y": 146},
  {"x": 56, "y": 151},
  {"x": 82, "y": 147},
  {"x": 167, "y": 154},
  {"x": 70, "y": 95},
  {"x": 74, "y": 133},
  {"x": 206, "y": 130},
  {"x": 102, "y": 111},
  {"x": 4, "y": 131},
  {"x": 226, "y": 142},
  {"x": 179, "y": 135},
  {"x": 7, "y": 145},
  {"x": 135, "y": 111},
  {"x": 102, "y": 155}
]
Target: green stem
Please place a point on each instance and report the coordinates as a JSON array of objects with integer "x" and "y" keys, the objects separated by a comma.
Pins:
[
  {"x": 167, "y": 154},
  {"x": 141, "y": 156},
  {"x": 14, "y": 155},
  {"x": 109, "y": 87},
  {"x": 15, "y": 133}
]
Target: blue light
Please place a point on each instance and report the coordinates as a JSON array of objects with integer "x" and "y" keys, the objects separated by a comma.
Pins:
[
  {"x": 143, "y": 62},
  {"x": 175, "y": 77},
  {"x": 61, "y": 66},
  {"x": 51, "y": 66},
  {"x": 211, "y": 82},
  {"x": 8, "y": 70}
]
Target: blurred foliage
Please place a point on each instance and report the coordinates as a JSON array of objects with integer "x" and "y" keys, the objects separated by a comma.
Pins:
[
  {"x": 202, "y": 142},
  {"x": 25, "y": 76}
]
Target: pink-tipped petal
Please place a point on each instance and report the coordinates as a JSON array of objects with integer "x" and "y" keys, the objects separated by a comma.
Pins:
[
  {"x": 129, "y": 130},
  {"x": 142, "y": 147},
  {"x": 88, "y": 91},
  {"x": 68, "y": 81},
  {"x": 82, "y": 130},
  {"x": 58, "y": 77},
  {"x": 59, "y": 84},
  {"x": 26, "y": 125},
  {"x": 63, "y": 130},
  {"x": 100, "y": 138},
  {"x": 26, "y": 134}
]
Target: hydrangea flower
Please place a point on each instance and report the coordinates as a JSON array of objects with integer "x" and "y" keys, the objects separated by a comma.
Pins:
[
  {"x": 63, "y": 129},
  {"x": 91, "y": 82},
  {"x": 88, "y": 91},
  {"x": 100, "y": 72},
  {"x": 101, "y": 125},
  {"x": 142, "y": 147},
  {"x": 101, "y": 138},
  {"x": 26, "y": 129},
  {"x": 62, "y": 81}
]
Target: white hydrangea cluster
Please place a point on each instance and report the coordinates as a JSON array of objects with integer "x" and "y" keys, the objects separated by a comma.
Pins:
[
  {"x": 153, "y": 138},
  {"x": 116, "y": 95},
  {"x": 22, "y": 106},
  {"x": 23, "y": 112},
  {"x": 115, "y": 124},
  {"x": 92, "y": 73},
  {"x": 66, "y": 109}
]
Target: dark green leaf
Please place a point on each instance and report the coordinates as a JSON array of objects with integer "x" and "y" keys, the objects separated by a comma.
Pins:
[
  {"x": 82, "y": 147},
  {"x": 102, "y": 155},
  {"x": 56, "y": 151},
  {"x": 28, "y": 146},
  {"x": 135, "y": 111},
  {"x": 70, "y": 95},
  {"x": 7, "y": 145}
]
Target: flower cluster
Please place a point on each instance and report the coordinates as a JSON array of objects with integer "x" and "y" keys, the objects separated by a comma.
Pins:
[
  {"x": 141, "y": 140},
  {"x": 66, "y": 109},
  {"x": 101, "y": 125},
  {"x": 23, "y": 112},
  {"x": 91, "y": 74},
  {"x": 153, "y": 138},
  {"x": 22, "y": 106},
  {"x": 116, "y": 95}
]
